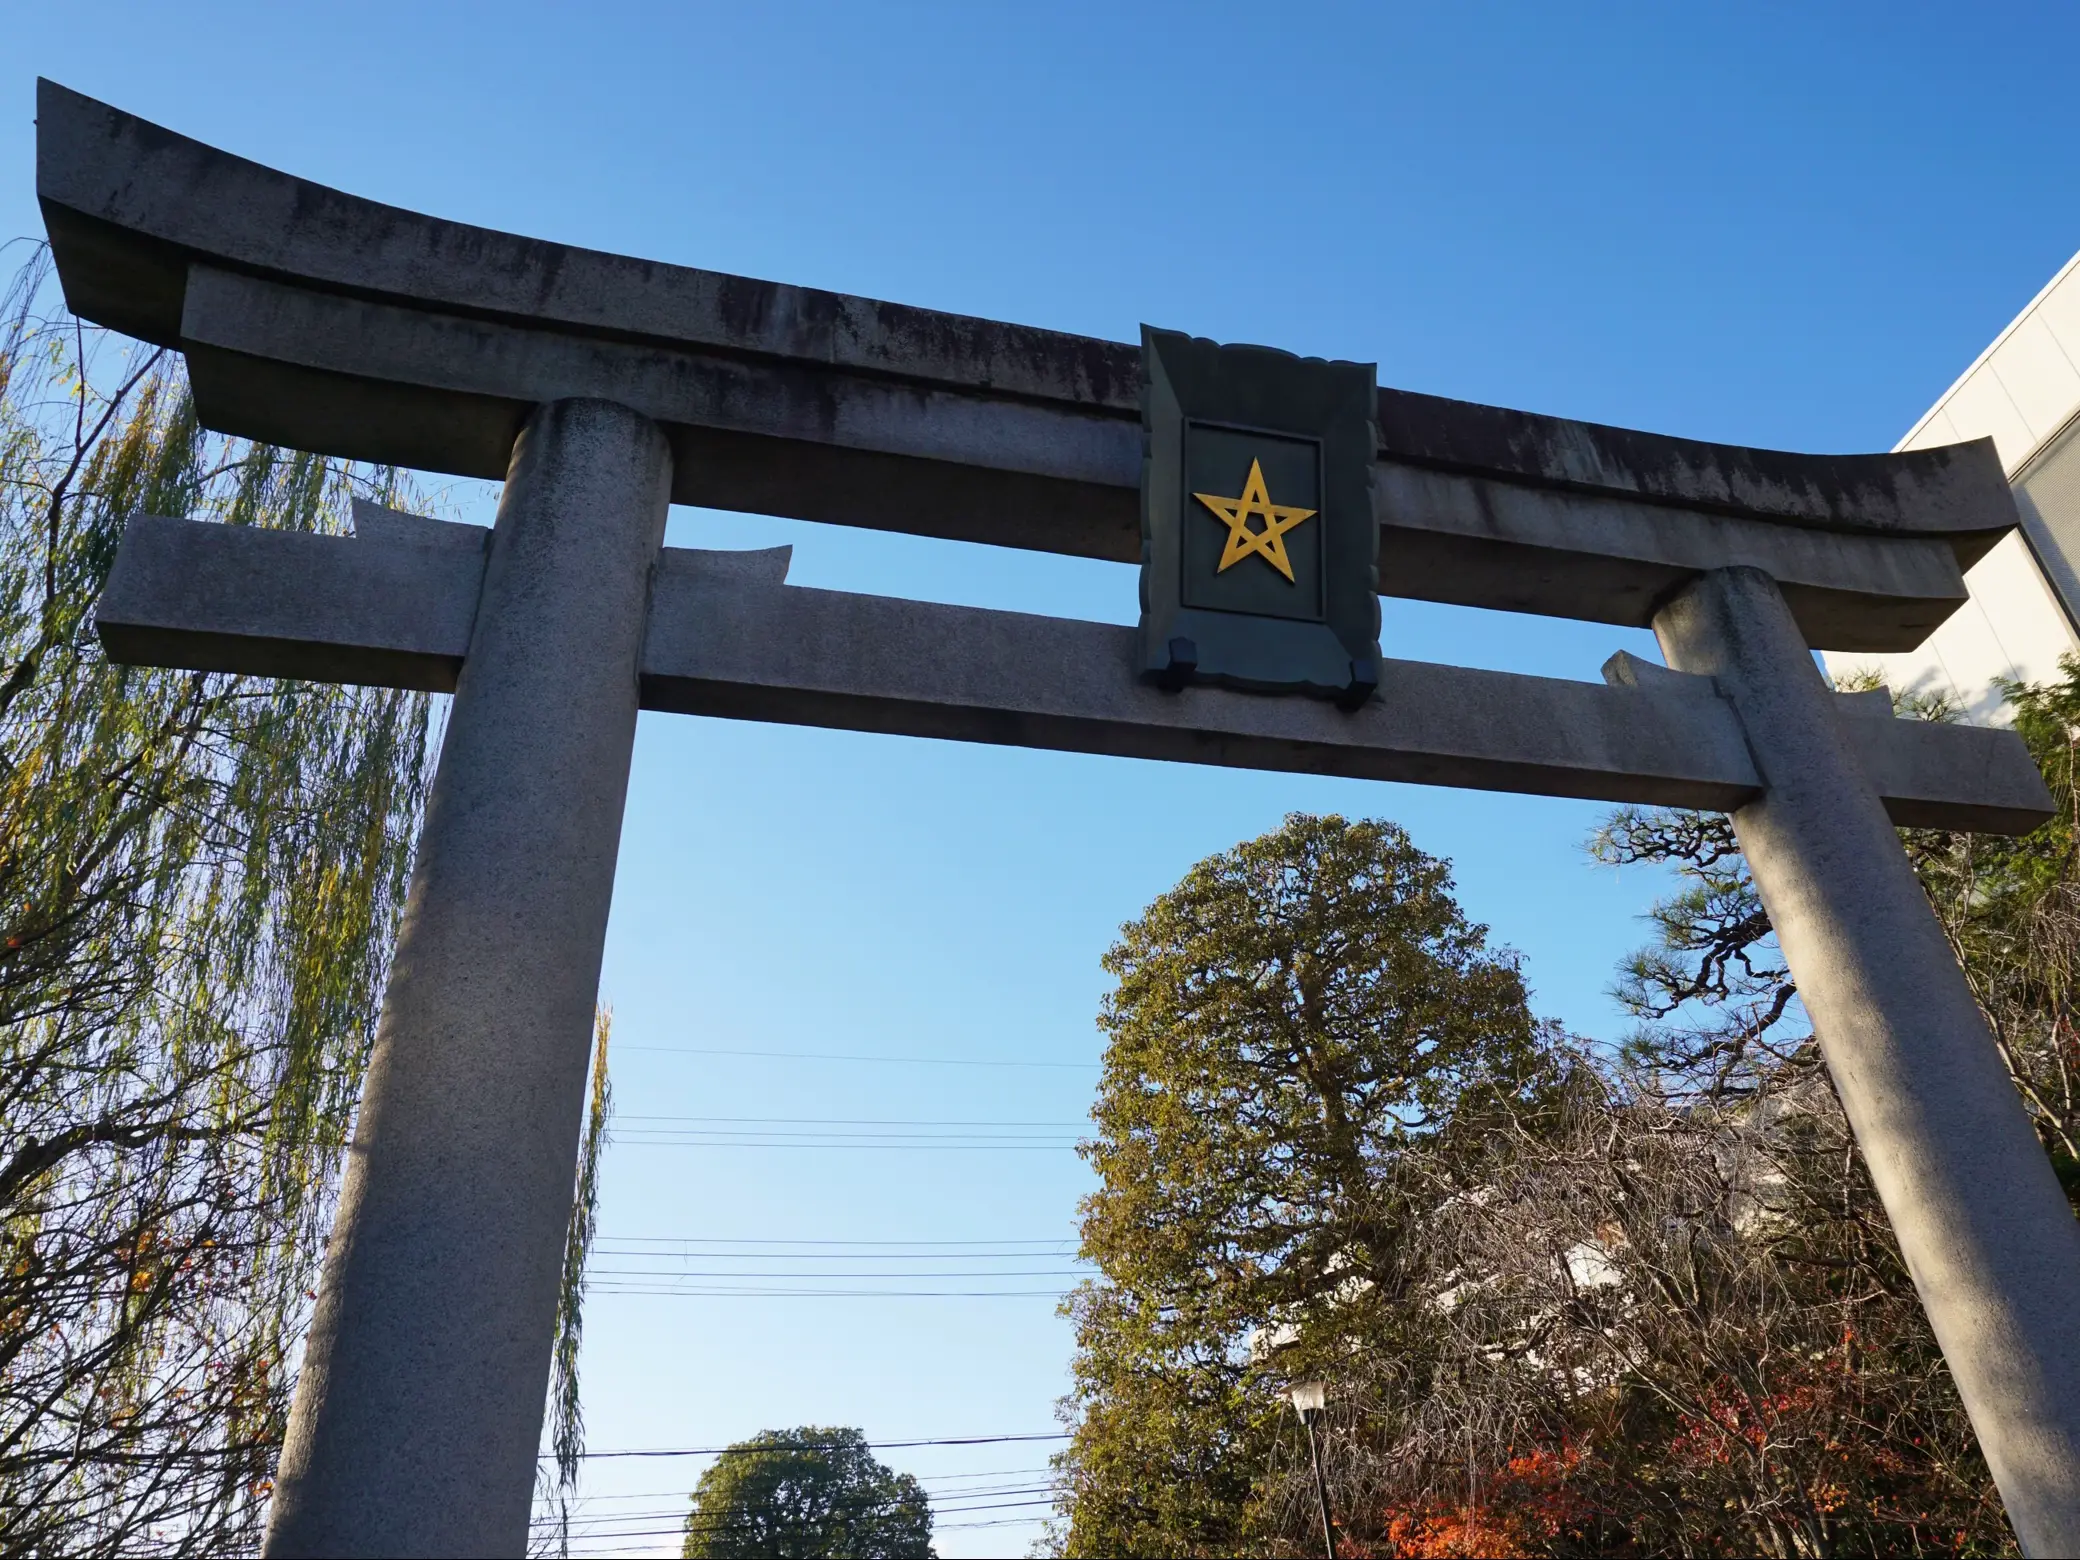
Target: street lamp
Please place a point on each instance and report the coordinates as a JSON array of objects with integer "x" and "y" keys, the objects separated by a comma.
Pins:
[{"x": 1309, "y": 1397}]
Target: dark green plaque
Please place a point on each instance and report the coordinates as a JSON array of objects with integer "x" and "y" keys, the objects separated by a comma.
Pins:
[{"x": 1258, "y": 544}]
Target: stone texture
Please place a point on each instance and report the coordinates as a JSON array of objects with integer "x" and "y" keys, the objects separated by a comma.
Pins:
[
  {"x": 727, "y": 638},
  {"x": 219, "y": 598},
  {"x": 418, "y": 1410},
  {"x": 1992, "y": 1245},
  {"x": 325, "y": 322},
  {"x": 397, "y": 527}
]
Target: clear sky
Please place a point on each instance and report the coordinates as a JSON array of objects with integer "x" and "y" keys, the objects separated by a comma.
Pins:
[{"x": 1787, "y": 225}]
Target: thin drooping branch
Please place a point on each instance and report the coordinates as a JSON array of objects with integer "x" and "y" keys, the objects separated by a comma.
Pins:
[{"x": 198, "y": 882}]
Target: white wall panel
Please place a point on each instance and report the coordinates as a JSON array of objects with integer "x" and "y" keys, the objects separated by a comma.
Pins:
[
  {"x": 2040, "y": 379},
  {"x": 2032, "y": 626},
  {"x": 2022, "y": 391},
  {"x": 1934, "y": 429},
  {"x": 2010, "y": 630},
  {"x": 2059, "y": 310},
  {"x": 1980, "y": 408}
]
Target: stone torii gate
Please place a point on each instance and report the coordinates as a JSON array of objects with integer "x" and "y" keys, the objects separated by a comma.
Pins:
[{"x": 602, "y": 388}]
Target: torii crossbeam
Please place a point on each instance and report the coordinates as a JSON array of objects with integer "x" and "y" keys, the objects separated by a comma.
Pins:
[{"x": 602, "y": 388}]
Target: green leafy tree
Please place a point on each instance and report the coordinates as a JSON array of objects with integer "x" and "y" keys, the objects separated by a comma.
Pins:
[
  {"x": 1300, "y": 1029},
  {"x": 200, "y": 876},
  {"x": 2012, "y": 909},
  {"x": 807, "y": 1494},
  {"x": 1688, "y": 1327},
  {"x": 1569, "y": 1299},
  {"x": 200, "y": 880},
  {"x": 1718, "y": 1009}
]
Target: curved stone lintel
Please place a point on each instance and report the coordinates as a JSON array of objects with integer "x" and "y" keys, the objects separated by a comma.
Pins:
[
  {"x": 322, "y": 321},
  {"x": 129, "y": 204}
]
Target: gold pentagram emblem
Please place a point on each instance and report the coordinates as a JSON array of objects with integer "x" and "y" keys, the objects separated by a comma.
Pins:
[{"x": 1235, "y": 513}]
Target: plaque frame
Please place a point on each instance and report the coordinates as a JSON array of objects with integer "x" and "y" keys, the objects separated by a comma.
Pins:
[{"x": 1230, "y": 629}]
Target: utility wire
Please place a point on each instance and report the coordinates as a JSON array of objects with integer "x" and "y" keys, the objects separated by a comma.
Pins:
[
  {"x": 829, "y": 1132},
  {"x": 754, "y": 1240},
  {"x": 824, "y": 1259},
  {"x": 835, "y": 1294},
  {"x": 582, "y": 1512},
  {"x": 789, "y": 1134},
  {"x": 662, "y": 1266},
  {"x": 741, "y": 1524},
  {"x": 833, "y": 1056},
  {"x": 856, "y": 1121},
  {"x": 849, "y": 1134},
  {"x": 686, "y": 1275},
  {"x": 945, "y": 1527},
  {"x": 910, "y": 1261},
  {"x": 839, "y": 1140},
  {"x": 589, "y": 1524},
  {"x": 681, "y": 1496},
  {"x": 1040, "y": 1495},
  {"x": 825, "y": 1446},
  {"x": 967, "y": 1259},
  {"x": 900, "y": 1148},
  {"x": 680, "y": 1493},
  {"x": 942, "y": 1501}
]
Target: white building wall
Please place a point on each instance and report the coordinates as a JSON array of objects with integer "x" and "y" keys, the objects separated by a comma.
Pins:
[{"x": 2024, "y": 394}]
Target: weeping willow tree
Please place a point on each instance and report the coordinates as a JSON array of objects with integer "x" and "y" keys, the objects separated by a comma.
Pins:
[
  {"x": 200, "y": 880},
  {"x": 556, "y": 1485}
]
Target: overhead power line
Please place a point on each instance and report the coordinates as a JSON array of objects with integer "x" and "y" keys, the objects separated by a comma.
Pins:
[
  {"x": 1059, "y": 1251},
  {"x": 584, "y": 1523},
  {"x": 662, "y": 1266},
  {"x": 937, "y": 1527},
  {"x": 834, "y": 1056},
  {"x": 858, "y": 1121},
  {"x": 649, "y": 1262},
  {"x": 844, "y": 1132},
  {"x": 677, "y": 1530},
  {"x": 758, "y": 1274},
  {"x": 784, "y": 1134},
  {"x": 754, "y": 1240},
  {"x": 850, "y": 1145},
  {"x": 944, "y": 1500},
  {"x": 909, "y": 1264},
  {"x": 679, "y": 1493},
  {"x": 621, "y": 1287},
  {"x": 824, "y": 1446},
  {"x": 847, "y": 1132}
]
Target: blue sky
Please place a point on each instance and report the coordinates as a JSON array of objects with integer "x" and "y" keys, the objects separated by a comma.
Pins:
[{"x": 1772, "y": 224}]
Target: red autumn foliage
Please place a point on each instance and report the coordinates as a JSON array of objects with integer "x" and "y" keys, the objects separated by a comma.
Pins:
[{"x": 1527, "y": 1509}]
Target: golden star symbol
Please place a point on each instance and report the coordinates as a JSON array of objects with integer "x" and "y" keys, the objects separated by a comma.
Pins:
[{"x": 1269, "y": 543}]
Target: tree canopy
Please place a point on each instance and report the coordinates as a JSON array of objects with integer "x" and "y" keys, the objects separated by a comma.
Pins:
[
  {"x": 806, "y": 1494},
  {"x": 1570, "y": 1298},
  {"x": 199, "y": 880},
  {"x": 1294, "y": 1027}
]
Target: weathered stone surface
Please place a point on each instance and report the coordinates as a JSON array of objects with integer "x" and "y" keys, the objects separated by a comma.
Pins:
[
  {"x": 419, "y": 1405},
  {"x": 326, "y": 322},
  {"x": 1982, "y": 1222},
  {"x": 446, "y": 392},
  {"x": 727, "y": 638},
  {"x": 378, "y": 523},
  {"x": 218, "y": 598},
  {"x": 1610, "y": 558}
]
